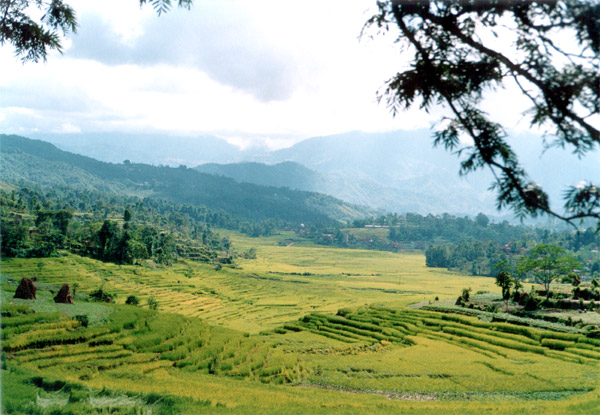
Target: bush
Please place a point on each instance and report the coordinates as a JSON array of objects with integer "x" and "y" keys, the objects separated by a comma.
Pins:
[
  {"x": 555, "y": 344},
  {"x": 548, "y": 303},
  {"x": 132, "y": 300},
  {"x": 102, "y": 296},
  {"x": 152, "y": 303},
  {"x": 531, "y": 304},
  {"x": 491, "y": 308},
  {"x": 83, "y": 319},
  {"x": 520, "y": 298},
  {"x": 466, "y": 294}
]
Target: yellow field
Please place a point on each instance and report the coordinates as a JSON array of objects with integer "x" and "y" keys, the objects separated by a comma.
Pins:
[
  {"x": 263, "y": 337},
  {"x": 282, "y": 284}
]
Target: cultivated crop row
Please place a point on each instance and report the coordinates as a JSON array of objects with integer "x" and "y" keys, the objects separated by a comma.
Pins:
[{"x": 377, "y": 324}]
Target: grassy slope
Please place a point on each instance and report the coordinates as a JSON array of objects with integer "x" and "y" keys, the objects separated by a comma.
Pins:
[
  {"x": 443, "y": 372},
  {"x": 41, "y": 163}
]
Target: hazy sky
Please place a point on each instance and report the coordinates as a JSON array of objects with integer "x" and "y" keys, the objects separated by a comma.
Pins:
[{"x": 270, "y": 72}]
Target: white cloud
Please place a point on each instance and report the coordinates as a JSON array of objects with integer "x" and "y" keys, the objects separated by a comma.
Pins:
[
  {"x": 68, "y": 128},
  {"x": 261, "y": 72}
]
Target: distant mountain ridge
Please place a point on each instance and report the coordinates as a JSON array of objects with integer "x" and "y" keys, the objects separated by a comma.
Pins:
[
  {"x": 34, "y": 161},
  {"x": 153, "y": 149},
  {"x": 285, "y": 174},
  {"x": 398, "y": 171}
]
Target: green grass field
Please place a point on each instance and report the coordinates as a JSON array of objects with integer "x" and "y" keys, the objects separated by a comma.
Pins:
[{"x": 301, "y": 329}]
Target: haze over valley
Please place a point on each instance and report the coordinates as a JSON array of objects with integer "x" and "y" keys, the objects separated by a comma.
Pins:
[{"x": 397, "y": 171}]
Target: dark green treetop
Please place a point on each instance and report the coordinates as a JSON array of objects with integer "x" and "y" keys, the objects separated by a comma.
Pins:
[
  {"x": 458, "y": 56},
  {"x": 33, "y": 37}
]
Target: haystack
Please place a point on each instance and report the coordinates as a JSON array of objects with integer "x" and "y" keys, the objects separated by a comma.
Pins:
[
  {"x": 26, "y": 290},
  {"x": 64, "y": 295}
]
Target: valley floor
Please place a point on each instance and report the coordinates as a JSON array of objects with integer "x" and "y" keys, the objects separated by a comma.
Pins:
[{"x": 301, "y": 329}]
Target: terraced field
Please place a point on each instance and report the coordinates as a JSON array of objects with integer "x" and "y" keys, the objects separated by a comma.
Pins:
[
  {"x": 299, "y": 330},
  {"x": 282, "y": 284}
]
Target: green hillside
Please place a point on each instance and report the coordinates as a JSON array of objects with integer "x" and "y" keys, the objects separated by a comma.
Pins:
[
  {"x": 34, "y": 161},
  {"x": 286, "y": 174}
]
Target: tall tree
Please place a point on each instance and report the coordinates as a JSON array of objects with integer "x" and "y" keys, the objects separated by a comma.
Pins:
[
  {"x": 457, "y": 57},
  {"x": 505, "y": 281},
  {"x": 547, "y": 263}
]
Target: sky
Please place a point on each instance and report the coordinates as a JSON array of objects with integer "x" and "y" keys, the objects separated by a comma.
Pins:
[{"x": 259, "y": 73}]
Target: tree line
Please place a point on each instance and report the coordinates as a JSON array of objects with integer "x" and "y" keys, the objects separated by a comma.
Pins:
[
  {"x": 485, "y": 257},
  {"x": 111, "y": 228}
]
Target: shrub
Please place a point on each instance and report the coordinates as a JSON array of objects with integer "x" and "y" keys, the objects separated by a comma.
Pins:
[
  {"x": 555, "y": 344},
  {"x": 344, "y": 312},
  {"x": 132, "y": 300},
  {"x": 152, "y": 303},
  {"x": 491, "y": 308},
  {"x": 289, "y": 327},
  {"x": 548, "y": 303},
  {"x": 102, "y": 296},
  {"x": 592, "y": 332},
  {"x": 531, "y": 304},
  {"x": 83, "y": 319},
  {"x": 586, "y": 294},
  {"x": 11, "y": 310},
  {"x": 466, "y": 294}
]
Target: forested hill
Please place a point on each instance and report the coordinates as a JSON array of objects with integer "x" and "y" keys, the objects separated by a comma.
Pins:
[
  {"x": 285, "y": 174},
  {"x": 34, "y": 161}
]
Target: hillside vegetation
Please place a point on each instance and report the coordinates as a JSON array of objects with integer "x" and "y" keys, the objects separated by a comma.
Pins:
[
  {"x": 26, "y": 161},
  {"x": 131, "y": 289},
  {"x": 300, "y": 329}
]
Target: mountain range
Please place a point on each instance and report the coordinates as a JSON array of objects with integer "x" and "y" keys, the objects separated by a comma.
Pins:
[
  {"x": 35, "y": 162},
  {"x": 397, "y": 171}
]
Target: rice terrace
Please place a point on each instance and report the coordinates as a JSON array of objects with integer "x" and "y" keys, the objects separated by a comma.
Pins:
[
  {"x": 317, "y": 207},
  {"x": 303, "y": 329}
]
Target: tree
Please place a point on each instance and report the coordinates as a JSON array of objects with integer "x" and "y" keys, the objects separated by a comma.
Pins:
[
  {"x": 134, "y": 249},
  {"x": 13, "y": 238},
  {"x": 127, "y": 215},
  {"x": 482, "y": 220},
  {"x": 505, "y": 281},
  {"x": 165, "y": 252},
  {"x": 546, "y": 263},
  {"x": 457, "y": 59},
  {"x": 436, "y": 256},
  {"x": 33, "y": 37},
  {"x": 132, "y": 300},
  {"x": 573, "y": 278}
]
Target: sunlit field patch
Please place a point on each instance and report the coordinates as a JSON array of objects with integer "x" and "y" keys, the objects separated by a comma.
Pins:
[{"x": 301, "y": 329}]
